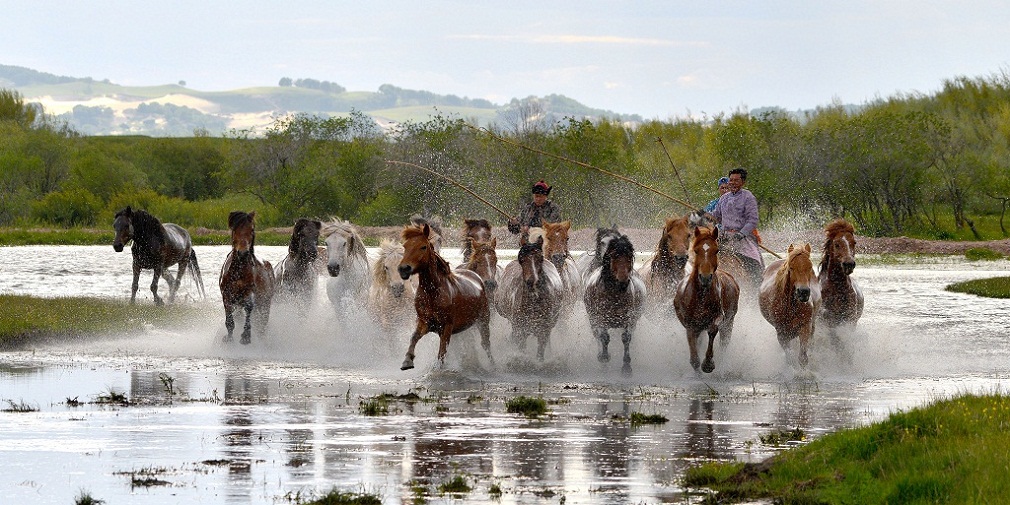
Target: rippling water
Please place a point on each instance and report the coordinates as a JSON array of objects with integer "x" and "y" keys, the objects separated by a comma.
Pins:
[{"x": 282, "y": 417}]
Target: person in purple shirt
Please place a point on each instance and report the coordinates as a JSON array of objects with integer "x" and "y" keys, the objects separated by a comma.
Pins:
[{"x": 737, "y": 213}]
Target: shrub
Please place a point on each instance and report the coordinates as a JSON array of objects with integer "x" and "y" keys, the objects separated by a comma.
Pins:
[{"x": 72, "y": 207}]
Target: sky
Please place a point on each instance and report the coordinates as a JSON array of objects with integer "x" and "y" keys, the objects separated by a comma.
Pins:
[{"x": 658, "y": 59}]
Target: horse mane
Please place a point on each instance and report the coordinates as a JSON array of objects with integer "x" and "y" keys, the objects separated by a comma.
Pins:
[
  {"x": 783, "y": 271},
  {"x": 300, "y": 225},
  {"x": 238, "y": 217},
  {"x": 470, "y": 223},
  {"x": 618, "y": 246},
  {"x": 529, "y": 247},
  {"x": 434, "y": 222},
  {"x": 144, "y": 224},
  {"x": 410, "y": 232},
  {"x": 536, "y": 233},
  {"x": 662, "y": 249},
  {"x": 831, "y": 231},
  {"x": 386, "y": 249},
  {"x": 346, "y": 229}
]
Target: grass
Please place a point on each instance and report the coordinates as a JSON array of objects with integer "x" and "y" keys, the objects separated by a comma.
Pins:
[
  {"x": 638, "y": 418},
  {"x": 336, "y": 497},
  {"x": 85, "y": 498},
  {"x": 20, "y": 407},
  {"x": 94, "y": 236},
  {"x": 995, "y": 287},
  {"x": 528, "y": 406},
  {"x": 456, "y": 485},
  {"x": 982, "y": 254},
  {"x": 953, "y": 450},
  {"x": 22, "y": 317}
]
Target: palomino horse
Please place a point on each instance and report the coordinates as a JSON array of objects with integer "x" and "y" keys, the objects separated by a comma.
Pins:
[
  {"x": 663, "y": 272},
  {"x": 474, "y": 229},
  {"x": 841, "y": 298},
  {"x": 390, "y": 298},
  {"x": 156, "y": 247},
  {"x": 530, "y": 297},
  {"x": 484, "y": 262},
  {"x": 447, "y": 302},
  {"x": 245, "y": 281},
  {"x": 296, "y": 275},
  {"x": 556, "y": 250},
  {"x": 592, "y": 260},
  {"x": 790, "y": 297},
  {"x": 347, "y": 263},
  {"x": 707, "y": 299},
  {"x": 614, "y": 298}
]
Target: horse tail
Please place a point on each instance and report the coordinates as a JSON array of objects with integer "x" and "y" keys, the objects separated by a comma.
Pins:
[{"x": 194, "y": 270}]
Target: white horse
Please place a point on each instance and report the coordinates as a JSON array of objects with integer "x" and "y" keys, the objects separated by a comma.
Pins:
[
  {"x": 347, "y": 263},
  {"x": 390, "y": 298}
]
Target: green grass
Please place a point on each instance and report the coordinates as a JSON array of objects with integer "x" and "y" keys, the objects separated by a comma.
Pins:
[
  {"x": 23, "y": 317},
  {"x": 91, "y": 236},
  {"x": 952, "y": 451},
  {"x": 336, "y": 497},
  {"x": 995, "y": 287},
  {"x": 982, "y": 254},
  {"x": 457, "y": 485},
  {"x": 528, "y": 406},
  {"x": 638, "y": 418}
]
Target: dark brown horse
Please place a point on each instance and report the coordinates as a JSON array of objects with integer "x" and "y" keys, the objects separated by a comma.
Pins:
[
  {"x": 447, "y": 302},
  {"x": 156, "y": 247},
  {"x": 474, "y": 229},
  {"x": 296, "y": 274},
  {"x": 841, "y": 298},
  {"x": 614, "y": 297},
  {"x": 531, "y": 296},
  {"x": 707, "y": 299},
  {"x": 663, "y": 272},
  {"x": 484, "y": 262},
  {"x": 790, "y": 297},
  {"x": 592, "y": 260},
  {"x": 245, "y": 281}
]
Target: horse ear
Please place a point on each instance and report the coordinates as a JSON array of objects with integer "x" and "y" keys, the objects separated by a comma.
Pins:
[
  {"x": 426, "y": 230},
  {"x": 252, "y": 216},
  {"x": 494, "y": 242},
  {"x": 790, "y": 249},
  {"x": 715, "y": 232},
  {"x": 567, "y": 224},
  {"x": 807, "y": 247},
  {"x": 540, "y": 241},
  {"x": 128, "y": 211},
  {"x": 318, "y": 225}
]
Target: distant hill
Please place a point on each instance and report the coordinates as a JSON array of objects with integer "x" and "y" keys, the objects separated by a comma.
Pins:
[{"x": 100, "y": 107}]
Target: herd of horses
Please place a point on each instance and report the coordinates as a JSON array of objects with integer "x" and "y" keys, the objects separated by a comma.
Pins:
[{"x": 410, "y": 281}]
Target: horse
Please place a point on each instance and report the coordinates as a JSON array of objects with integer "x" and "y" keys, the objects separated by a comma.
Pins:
[
  {"x": 556, "y": 250},
  {"x": 390, "y": 298},
  {"x": 447, "y": 302},
  {"x": 296, "y": 274},
  {"x": 474, "y": 229},
  {"x": 664, "y": 271},
  {"x": 841, "y": 298},
  {"x": 484, "y": 262},
  {"x": 790, "y": 297},
  {"x": 592, "y": 260},
  {"x": 614, "y": 297},
  {"x": 346, "y": 263},
  {"x": 434, "y": 224},
  {"x": 707, "y": 299},
  {"x": 531, "y": 296},
  {"x": 157, "y": 247},
  {"x": 245, "y": 281}
]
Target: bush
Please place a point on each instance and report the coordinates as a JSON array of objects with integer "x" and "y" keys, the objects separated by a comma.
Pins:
[
  {"x": 982, "y": 253},
  {"x": 73, "y": 207}
]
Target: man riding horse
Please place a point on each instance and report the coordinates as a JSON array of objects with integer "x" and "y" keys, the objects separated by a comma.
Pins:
[{"x": 535, "y": 212}]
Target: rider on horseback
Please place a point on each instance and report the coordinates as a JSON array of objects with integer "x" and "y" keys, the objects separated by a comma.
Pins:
[{"x": 535, "y": 212}]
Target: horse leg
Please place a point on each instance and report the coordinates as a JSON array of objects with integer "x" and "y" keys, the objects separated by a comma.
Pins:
[
  {"x": 443, "y": 343},
  {"x": 174, "y": 286},
  {"x": 484, "y": 325},
  {"x": 805, "y": 334},
  {"x": 247, "y": 328},
  {"x": 626, "y": 340},
  {"x": 709, "y": 365},
  {"x": 692, "y": 344},
  {"x": 154, "y": 286},
  {"x": 543, "y": 335},
  {"x": 603, "y": 335},
  {"x": 419, "y": 332},
  {"x": 229, "y": 321},
  {"x": 136, "y": 283}
]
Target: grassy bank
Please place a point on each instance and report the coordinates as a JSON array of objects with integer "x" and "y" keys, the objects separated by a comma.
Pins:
[
  {"x": 89, "y": 236},
  {"x": 995, "y": 287},
  {"x": 952, "y": 451},
  {"x": 23, "y": 318}
]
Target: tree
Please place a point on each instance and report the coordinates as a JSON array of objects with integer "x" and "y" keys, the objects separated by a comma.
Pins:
[{"x": 13, "y": 108}]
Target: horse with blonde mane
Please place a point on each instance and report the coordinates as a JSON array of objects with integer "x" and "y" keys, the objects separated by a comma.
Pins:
[
  {"x": 790, "y": 297},
  {"x": 841, "y": 298},
  {"x": 707, "y": 299},
  {"x": 556, "y": 250},
  {"x": 664, "y": 271},
  {"x": 346, "y": 263},
  {"x": 447, "y": 302},
  {"x": 390, "y": 298}
]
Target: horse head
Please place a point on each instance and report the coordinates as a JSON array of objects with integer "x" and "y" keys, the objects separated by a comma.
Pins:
[
  {"x": 603, "y": 238},
  {"x": 304, "y": 238},
  {"x": 840, "y": 247},
  {"x": 419, "y": 252},
  {"x": 484, "y": 261},
  {"x": 343, "y": 246},
  {"x": 556, "y": 242},
  {"x": 705, "y": 247},
  {"x": 619, "y": 261},
  {"x": 531, "y": 259},
  {"x": 386, "y": 268},
  {"x": 675, "y": 241},
  {"x": 476, "y": 229},
  {"x": 243, "y": 232},
  {"x": 123, "y": 225},
  {"x": 435, "y": 226},
  {"x": 797, "y": 273}
]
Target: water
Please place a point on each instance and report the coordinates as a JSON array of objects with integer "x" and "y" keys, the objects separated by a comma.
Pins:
[{"x": 282, "y": 418}]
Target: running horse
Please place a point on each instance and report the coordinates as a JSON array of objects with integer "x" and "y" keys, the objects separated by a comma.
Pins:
[
  {"x": 614, "y": 297},
  {"x": 664, "y": 271},
  {"x": 447, "y": 302},
  {"x": 707, "y": 299},
  {"x": 346, "y": 264},
  {"x": 592, "y": 260},
  {"x": 556, "y": 250},
  {"x": 245, "y": 281},
  {"x": 390, "y": 298},
  {"x": 790, "y": 297},
  {"x": 157, "y": 247},
  {"x": 474, "y": 229},
  {"x": 296, "y": 274},
  {"x": 484, "y": 262},
  {"x": 841, "y": 298},
  {"x": 531, "y": 296}
]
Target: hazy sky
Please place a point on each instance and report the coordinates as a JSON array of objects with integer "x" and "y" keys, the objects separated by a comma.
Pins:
[{"x": 655, "y": 58}]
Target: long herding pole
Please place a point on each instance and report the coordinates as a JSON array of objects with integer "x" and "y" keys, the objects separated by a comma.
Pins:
[
  {"x": 453, "y": 182},
  {"x": 687, "y": 194}
]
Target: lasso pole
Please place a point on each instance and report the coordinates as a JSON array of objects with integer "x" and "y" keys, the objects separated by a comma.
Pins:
[
  {"x": 453, "y": 182},
  {"x": 676, "y": 172}
]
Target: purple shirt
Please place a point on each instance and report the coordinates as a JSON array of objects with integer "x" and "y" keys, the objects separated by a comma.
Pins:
[{"x": 739, "y": 212}]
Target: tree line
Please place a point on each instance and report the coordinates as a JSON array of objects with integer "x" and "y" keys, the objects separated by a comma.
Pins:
[{"x": 910, "y": 164}]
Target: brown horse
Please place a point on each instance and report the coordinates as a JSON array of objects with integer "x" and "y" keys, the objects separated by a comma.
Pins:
[
  {"x": 841, "y": 298},
  {"x": 157, "y": 247},
  {"x": 614, "y": 298},
  {"x": 245, "y": 281},
  {"x": 707, "y": 299},
  {"x": 556, "y": 250},
  {"x": 790, "y": 297},
  {"x": 663, "y": 272},
  {"x": 447, "y": 302},
  {"x": 484, "y": 262},
  {"x": 296, "y": 274},
  {"x": 474, "y": 229},
  {"x": 531, "y": 295}
]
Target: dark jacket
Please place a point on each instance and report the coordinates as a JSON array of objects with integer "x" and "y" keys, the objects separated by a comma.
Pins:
[{"x": 533, "y": 216}]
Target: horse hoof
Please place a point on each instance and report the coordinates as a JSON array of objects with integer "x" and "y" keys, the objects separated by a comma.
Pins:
[
  {"x": 246, "y": 341},
  {"x": 604, "y": 356},
  {"x": 407, "y": 365},
  {"x": 708, "y": 367},
  {"x": 695, "y": 364},
  {"x": 626, "y": 370},
  {"x": 227, "y": 338},
  {"x": 803, "y": 360}
]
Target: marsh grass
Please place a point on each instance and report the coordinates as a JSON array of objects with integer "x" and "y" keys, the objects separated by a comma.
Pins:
[
  {"x": 528, "y": 406},
  {"x": 456, "y": 485},
  {"x": 638, "y": 419},
  {"x": 20, "y": 407},
  {"x": 982, "y": 254},
  {"x": 85, "y": 498},
  {"x": 337, "y": 497},
  {"x": 780, "y": 437},
  {"x": 950, "y": 451},
  {"x": 994, "y": 287}
]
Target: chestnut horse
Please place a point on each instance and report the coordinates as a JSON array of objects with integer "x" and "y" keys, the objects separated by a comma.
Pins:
[
  {"x": 841, "y": 298},
  {"x": 474, "y": 229},
  {"x": 156, "y": 247},
  {"x": 531, "y": 296},
  {"x": 245, "y": 281},
  {"x": 390, "y": 298},
  {"x": 296, "y": 274},
  {"x": 790, "y": 297},
  {"x": 447, "y": 302},
  {"x": 663, "y": 272},
  {"x": 556, "y": 250},
  {"x": 614, "y": 297},
  {"x": 484, "y": 262},
  {"x": 707, "y": 299}
]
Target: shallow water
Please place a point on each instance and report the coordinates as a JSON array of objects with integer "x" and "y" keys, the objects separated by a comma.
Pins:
[{"x": 282, "y": 418}]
